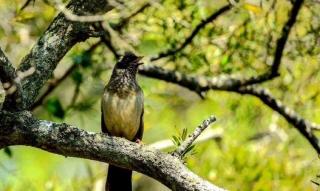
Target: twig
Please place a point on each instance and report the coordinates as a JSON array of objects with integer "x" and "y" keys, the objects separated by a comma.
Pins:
[
  {"x": 215, "y": 134},
  {"x": 105, "y": 38},
  {"x": 26, "y": 4},
  {"x": 188, "y": 40},
  {"x": 125, "y": 21},
  {"x": 191, "y": 138},
  {"x": 7, "y": 71},
  {"x": 281, "y": 42}
]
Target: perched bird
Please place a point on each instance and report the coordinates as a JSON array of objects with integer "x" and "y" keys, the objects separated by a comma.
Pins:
[{"x": 122, "y": 114}]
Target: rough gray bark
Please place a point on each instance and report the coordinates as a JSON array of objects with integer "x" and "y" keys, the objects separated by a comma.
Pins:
[
  {"x": 58, "y": 39},
  {"x": 8, "y": 78},
  {"x": 21, "y": 128}
]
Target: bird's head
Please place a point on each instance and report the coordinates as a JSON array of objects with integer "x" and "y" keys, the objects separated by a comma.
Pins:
[{"x": 129, "y": 62}]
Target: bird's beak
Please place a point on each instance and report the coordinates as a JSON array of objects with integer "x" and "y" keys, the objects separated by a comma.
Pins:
[{"x": 138, "y": 59}]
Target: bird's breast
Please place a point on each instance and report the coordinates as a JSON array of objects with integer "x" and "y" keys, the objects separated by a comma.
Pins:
[{"x": 122, "y": 114}]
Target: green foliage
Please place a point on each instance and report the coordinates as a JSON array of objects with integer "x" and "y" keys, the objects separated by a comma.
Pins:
[
  {"x": 259, "y": 150},
  {"x": 83, "y": 59},
  {"x": 77, "y": 77},
  {"x": 54, "y": 107}
]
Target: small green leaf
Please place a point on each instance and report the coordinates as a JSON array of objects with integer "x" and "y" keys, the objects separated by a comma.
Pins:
[
  {"x": 184, "y": 134},
  {"x": 175, "y": 140},
  {"x": 83, "y": 59},
  {"x": 54, "y": 107},
  {"x": 77, "y": 77},
  {"x": 8, "y": 151},
  {"x": 225, "y": 60},
  {"x": 85, "y": 105}
]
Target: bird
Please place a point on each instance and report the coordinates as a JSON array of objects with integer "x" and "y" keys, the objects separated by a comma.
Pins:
[{"x": 122, "y": 109}]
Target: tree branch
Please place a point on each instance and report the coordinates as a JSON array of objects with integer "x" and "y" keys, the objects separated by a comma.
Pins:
[
  {"x": 59, "y": 38},
  {"x": 10, "y": 82},
  {"x": 189, "y": 39},
  {"x": 22, "y": 129},
  {"x": 7, "y": 71},
  {"x": 303, "y": 126},
  {"x": 124, "y": 22},
  {"x": 26, "y": 4},
  {"x": 281, "y": 42},
  {"x": 181, "y": 150},
  {"x": 200, "y": 84},
  {"x": 56, "y": 82},
  {"x": 210, "y": 134},
  {"x": 52, "y": 86},
  {"x": 105, "y": 38}
]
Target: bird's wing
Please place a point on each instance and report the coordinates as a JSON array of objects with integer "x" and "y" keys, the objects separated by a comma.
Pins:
[
  {"x": 141, "y": 127},
  {"x": 104, "y": 128}
]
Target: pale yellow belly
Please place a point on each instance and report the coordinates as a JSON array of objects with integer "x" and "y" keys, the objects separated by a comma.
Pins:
[{"x": 122, "y": 115}]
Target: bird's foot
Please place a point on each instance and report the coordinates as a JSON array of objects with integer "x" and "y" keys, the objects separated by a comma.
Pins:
[{"x": 139, "y": 141}]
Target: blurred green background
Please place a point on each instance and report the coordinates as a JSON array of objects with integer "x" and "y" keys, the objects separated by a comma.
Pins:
[{"x": 258, "y": 149}]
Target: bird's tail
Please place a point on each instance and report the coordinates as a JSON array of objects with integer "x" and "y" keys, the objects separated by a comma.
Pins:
[{"x": 119, "y": 179}]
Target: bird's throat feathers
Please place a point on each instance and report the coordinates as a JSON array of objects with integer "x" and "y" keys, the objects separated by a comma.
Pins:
[{"x": 122, "y": 82}]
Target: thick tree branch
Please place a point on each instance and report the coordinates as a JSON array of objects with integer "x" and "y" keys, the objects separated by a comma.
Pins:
[
  {"x": 10, "y": 82},
  {"x": 56, "y": 82},
  {"x": 59, "y": 38},
  {"x": 7, "y": 71},
  {"x": 52, "y": 86},
  {"x": 22, "y": 129},
  {"x": 189, "y": 39}
]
